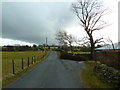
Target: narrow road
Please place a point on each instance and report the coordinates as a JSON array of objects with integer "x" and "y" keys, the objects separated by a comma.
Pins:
[{"x": 52, "y": 73}]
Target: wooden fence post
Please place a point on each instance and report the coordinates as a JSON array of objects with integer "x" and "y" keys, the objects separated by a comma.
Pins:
[
  {"x": 13, "y": 67},
  {"x": 28, "y": 62},
  {"x": 22, "y": 64},
  {"x": 34, "y": 59}
]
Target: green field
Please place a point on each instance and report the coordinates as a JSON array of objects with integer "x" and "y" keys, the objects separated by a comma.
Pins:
[
  {"x": 78, "y": 52},
  {"x": 7, "y": 58}
]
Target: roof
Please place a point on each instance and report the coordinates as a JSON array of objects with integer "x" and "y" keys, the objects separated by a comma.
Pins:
[{"x": 106, "y": 47}]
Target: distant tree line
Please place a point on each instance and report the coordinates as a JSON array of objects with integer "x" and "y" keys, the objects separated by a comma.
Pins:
[
  {"x": 45, "y": 47},
  {"x": 28, "y": 48},
  {"x": 17, "y": 48}
]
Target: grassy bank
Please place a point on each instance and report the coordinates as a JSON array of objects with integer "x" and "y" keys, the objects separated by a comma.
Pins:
[
  {"x": 90, "y": 79},
  {"x": 7, "y": 76}
]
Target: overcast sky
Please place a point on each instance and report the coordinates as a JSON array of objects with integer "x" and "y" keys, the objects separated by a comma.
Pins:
[{"x": 32, "y": 22}]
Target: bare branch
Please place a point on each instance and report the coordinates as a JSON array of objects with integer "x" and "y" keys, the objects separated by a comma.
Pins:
[
  {"x": 98, "y": 40},
  {"x": 83, "y": 41}
]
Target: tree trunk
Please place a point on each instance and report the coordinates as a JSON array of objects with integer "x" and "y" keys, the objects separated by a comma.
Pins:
[
  {"x": 92, "y": 52},
  {"x": 92, "y": 46},
  {"x": 71, "y": 49}
]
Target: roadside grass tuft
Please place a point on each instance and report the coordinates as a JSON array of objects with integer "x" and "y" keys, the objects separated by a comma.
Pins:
[{"x": 90, "y": 79}]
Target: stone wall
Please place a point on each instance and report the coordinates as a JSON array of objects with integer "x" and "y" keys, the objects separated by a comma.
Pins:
[{"x": 108, "y": 74}]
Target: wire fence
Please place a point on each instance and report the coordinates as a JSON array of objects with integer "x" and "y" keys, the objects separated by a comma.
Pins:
[{"x": 25, "y": 63}]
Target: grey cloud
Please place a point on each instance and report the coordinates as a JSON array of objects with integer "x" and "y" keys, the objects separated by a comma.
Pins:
[{"x": 33, "y": 22}]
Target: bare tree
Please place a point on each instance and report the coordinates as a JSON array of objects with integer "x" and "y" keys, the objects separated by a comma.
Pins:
[
  {"x": 64, "y": 38},
  {"x": 111, "y": 42},
  {"x": 90, "y": 13},
  {"x": 108, "y": 42}
]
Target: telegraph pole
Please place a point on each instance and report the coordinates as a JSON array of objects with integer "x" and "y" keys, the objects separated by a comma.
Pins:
[{"x": 46, "y": 41}]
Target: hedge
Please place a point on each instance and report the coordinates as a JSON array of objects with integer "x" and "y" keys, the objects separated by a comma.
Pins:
[{"x": 79, "y": 57}]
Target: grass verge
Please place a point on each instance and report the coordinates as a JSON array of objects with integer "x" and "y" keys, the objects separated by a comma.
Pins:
[
  {"x": 16, "y": 76},
  {"x": 90, "y": 79}
]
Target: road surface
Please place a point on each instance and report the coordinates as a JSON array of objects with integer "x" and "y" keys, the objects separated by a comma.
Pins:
[{"x": 52, "y": 73}]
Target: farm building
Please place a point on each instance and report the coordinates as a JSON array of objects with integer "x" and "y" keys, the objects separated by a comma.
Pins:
[{"x": 113, "y": 47}]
